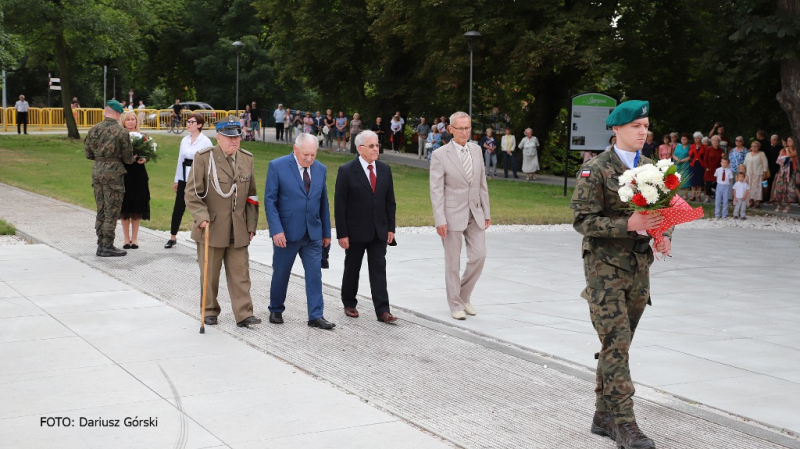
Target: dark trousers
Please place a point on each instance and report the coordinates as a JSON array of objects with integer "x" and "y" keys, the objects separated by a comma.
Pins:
[
  {"x": 509, "y": 159},
  {"x": 278, "y": 131},
  {"x": 22, "y": 120},
  {"x": 710, "y": 188},
  {"x": 376, "y": 259},
  {"x": 178, "y": 209}
]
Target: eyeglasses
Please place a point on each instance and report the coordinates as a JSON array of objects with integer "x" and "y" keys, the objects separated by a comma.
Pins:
[
  {"x": 371, "y": 146},
  {"x": 191, "y": 122},
  {"x": 467, "y": 128}
]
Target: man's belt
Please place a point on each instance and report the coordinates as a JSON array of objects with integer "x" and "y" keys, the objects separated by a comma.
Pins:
[
  {"x": 641, "y": 246},
  {"x": 107, "y": 159}
]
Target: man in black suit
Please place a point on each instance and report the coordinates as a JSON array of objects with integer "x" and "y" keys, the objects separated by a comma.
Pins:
[{"x": 364, "y": 208}]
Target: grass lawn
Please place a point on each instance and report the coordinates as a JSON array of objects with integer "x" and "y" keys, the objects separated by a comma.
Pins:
[
  {"x": 7, "y": 228},
  {"x": 55, "y": 166}
]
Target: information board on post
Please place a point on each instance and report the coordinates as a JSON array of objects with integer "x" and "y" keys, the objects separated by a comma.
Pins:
[{"x": 587, "y": 119}]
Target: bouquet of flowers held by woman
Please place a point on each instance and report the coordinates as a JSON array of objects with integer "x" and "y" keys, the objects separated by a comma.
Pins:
[
  {"x": 652, "y": 188},
  {"x": 144, "y": 147}
]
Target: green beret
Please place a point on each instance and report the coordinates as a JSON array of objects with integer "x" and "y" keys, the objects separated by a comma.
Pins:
[
  {"x": 115, "y": 105},
  {"x": 628, "y": 112}
]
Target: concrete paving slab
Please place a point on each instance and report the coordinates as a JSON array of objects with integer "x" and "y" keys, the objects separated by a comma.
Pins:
[
  {"x": 26, "y": 432},
  {"x": 58, "y": 304},
  {"x": 425, "y": 362},
  {"x": 49, "y": 355},
  {"x": 33, "y": 327},
  {"x": 58, "y": 393},
  {"x": 279, "y": 411},
  {"x": 12, "y": 306},
  {"x": 393, "y": 435}
]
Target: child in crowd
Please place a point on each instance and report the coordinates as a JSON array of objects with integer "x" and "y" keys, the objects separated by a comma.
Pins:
[
  {"x": 724, "y": 176},
  {"x": 740, "y": 194}
]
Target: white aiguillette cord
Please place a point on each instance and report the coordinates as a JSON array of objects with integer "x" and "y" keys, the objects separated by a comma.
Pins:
[{"x": 212, "y": 170}]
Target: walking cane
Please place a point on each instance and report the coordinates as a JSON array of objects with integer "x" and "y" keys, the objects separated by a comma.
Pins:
[{"x": 205, "y": 281}]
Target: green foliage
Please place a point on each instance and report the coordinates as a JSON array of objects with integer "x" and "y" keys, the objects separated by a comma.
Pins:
[{"x": 7, "y": 228}]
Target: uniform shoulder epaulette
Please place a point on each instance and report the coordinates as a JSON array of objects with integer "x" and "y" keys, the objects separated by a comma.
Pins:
[
  {"x": 246, "y": 152},
  {"x": 205, "y": 150}
]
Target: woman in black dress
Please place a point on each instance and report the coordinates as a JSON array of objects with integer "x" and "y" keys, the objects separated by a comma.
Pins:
[{"x": 136, "y": 202}]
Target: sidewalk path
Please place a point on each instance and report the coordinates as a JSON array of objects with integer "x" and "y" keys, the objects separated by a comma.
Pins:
[{"x": 473, "y": 391}]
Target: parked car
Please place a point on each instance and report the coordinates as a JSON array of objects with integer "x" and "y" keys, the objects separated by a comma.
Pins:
[{"x": 165, "y": 116}]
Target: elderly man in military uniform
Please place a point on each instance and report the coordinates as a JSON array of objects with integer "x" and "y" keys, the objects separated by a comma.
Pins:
[
  {"x": 616, "y": 259},
  {"x": 221, "y": 196},
  {"x": 108, "y": 145}
]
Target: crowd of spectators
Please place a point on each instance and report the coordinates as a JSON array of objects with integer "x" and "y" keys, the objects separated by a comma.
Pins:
[{"x": 768, "y": 166}]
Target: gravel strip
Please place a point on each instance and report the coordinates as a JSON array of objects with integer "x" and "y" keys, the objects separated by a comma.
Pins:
[
  {"x": 8, "y": 240},
  {"x": 771, "y": 223}
]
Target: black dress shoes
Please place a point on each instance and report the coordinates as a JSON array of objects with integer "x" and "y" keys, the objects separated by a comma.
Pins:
[
  {"x": 276, "y": 318},
  {"x": 249, "y": 320},
  {"x": 321, "y": 323},
  {"x": 110, "y": 251},
  {"x": 210, "y": 320},
  {"x": 134, "y": 246},
  {"x": 170, "y": 244},
  {"x": 126, "y": 246}
]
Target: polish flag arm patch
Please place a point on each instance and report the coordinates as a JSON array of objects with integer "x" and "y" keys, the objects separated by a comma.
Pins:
[
  {"x": 252, "y": 200},
  {"x": 586, "y": 173}
]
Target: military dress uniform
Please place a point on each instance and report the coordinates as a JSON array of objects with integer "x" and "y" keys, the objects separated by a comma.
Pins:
[
  {"x": 616, "y": 264},
  {"x": 222, "y": 191},
  {"x": 108, "y": 145}
]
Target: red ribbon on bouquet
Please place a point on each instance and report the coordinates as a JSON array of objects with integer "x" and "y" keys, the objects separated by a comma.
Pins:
[{"x": 678, "y": 212}]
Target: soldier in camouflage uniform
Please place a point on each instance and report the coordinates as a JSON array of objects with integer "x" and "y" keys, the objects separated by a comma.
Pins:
[
  {"x": 108, "y": 145},
  {"x": 616, "y": 262}
]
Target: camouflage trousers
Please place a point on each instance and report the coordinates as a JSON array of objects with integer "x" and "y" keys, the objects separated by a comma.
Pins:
[
  {"x": 108, "y": 197},
  {"x": 617, "y": 299}
]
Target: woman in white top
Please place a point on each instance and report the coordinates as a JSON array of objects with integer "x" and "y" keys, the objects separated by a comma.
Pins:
[
  {"x": 508, "y": 144},
  {"x": 397, "y": 133},
  {"x": 190, "y": 145},
  {"x": 530, "y": 155}
]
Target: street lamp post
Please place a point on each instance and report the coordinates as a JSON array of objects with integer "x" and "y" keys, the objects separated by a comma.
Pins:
[
  {"x": 114, "y": 85},
  {"x": 238, "y": 45},
  {"x": 105, "y": 84},
  {"x": 472, "y": 37}
]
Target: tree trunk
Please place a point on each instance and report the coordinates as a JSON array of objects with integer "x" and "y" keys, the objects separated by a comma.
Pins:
[
  {"x": 789, "y": 96},
  {"x": 66, "y": 94}
]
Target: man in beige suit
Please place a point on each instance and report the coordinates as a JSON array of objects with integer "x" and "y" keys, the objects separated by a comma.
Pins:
[
  {"x": 460, "y": 199},
  {"x": 221, "y": 190}
]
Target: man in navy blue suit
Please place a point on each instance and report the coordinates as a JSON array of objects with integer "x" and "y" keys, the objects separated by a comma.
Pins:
[
  {"x": 296, "y": 204},
  {"x": 365, "y": 221}
]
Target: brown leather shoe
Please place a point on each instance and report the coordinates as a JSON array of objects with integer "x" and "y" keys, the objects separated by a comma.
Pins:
[
  {"x": 603, "y": 424},
  {"x": 629, "y": 436},
  {"x": 351, "y": 312},
  {"x": 387, "y": 318}
]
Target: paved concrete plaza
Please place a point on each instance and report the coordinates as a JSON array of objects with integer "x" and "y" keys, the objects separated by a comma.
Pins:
[{"x": 118, "y": 337}]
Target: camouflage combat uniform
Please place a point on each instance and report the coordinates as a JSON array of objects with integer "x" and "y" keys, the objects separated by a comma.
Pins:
[
  {"x": 617, "y": 268},
  {"x": 108, "y": 145}
]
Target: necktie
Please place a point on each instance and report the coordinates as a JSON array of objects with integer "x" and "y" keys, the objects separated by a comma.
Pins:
[
  {"x": 466, "y": 159},
  {"x": 636, "y": 160},
  {"x": 230, "y": 162},
  {"x": 723, "y": 175},
  {"x": 372, "y": 179},
  {"x": 306, "y": 179}
]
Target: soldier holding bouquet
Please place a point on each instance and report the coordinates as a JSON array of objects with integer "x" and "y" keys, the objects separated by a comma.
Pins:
[{"x": 617, "y": 257}]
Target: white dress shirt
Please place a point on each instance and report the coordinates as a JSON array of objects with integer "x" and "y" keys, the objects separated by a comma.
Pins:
[
  {"x": 22, "y": 106},
  {"x": 627, "y": 157},
  {"x": 187, "y": 151},
  {"x": 301, "y": 168},
  {"x": 364, "y": 165}
]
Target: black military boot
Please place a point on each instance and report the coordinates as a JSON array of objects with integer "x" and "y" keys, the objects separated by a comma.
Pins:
[
  {"x": 629, "y": 436},
  {"x": 603, "y": 424},
  {"x": 111, "y": 251},
  {"x": 99, "y": 249}
]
